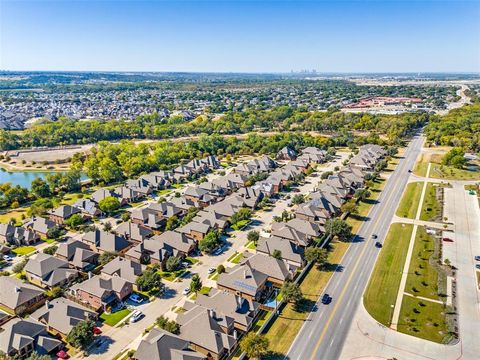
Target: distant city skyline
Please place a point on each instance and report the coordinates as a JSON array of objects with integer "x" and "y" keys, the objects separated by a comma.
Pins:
[{"x": 241, "y": 36}]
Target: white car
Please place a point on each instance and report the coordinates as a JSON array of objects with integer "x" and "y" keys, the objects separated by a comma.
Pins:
[
  {"x": 211, "y": 270},
  {"x": 136, "y": 316},
  {"x": 186, "y": 291},
  {"x": 7, "y": 258}
]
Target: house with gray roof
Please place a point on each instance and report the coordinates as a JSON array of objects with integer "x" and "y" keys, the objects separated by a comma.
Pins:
[
  {"x": 150, "y": 252},
  {"x": 291, "y": 252},
  {"x": 211, "y": 218},
  {"x": 162, "y": 345},
  {"x": 286, "y": 153},
  {"x": 195, "y": 230},
  {"x": 209, "y": 332},
  {"x": 102, "y": 241},
  {"x": 101, "y": 291},
  {"x": 78, "y": 254},
  {"x": 133, "y": 232},
  {"x": 130, "y": 195},
  {"x": 200, "y": 197},
  {"x": 125, "y": 268},
  {"x": 13, "y": 235},
  {"x": 60, "y": 315},
  {"x": 62, "y": 213},
  {"x": 39, "y": 225},
  {"x": 103, "y": 193},
  {"x": 48, "y": 271},
  {"x": 244, "y": 281},
  {"x": 19, "y": 297},
  {"x": 21, "y": 337},
  {"x": 88, "y": 207},
  {"x": 180, "y": 244},
  {"x": 241, "y": 310}
]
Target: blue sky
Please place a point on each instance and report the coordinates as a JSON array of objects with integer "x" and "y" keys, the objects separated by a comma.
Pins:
[{"x": 240, "y": 36}]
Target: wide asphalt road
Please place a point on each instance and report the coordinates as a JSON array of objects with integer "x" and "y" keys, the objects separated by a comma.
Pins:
[{"x": 323, "y": 334}]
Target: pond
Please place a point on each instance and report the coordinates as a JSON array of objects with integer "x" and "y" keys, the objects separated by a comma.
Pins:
[{"x": 24, "y": 178}]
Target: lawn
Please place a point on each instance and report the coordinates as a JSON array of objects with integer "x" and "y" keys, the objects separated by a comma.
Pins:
[
  {"x": 423, "y": 319},
  {"x": 364, "y": 207},
  {"x": 439, "y": 171},
  {"x": 69, "y": 199},
  {"x": 13, "y": 214},
  {"x": 163, "y": 192},
  {"x": 251, "y": 245},
  {"x": 383, "y": 286},
  {"x": 171, "y": 275},
  {"x": 113, "y": 319},
  {"x": 236, "y": 258},
  {"x": 23, "y": 250},
  {"x": 422, "y": 279},
  {"x": 409, "y": 204},
  {"x": 286, "y": 326},
  {"x": 421, "y": 166},
  {"x": 431, "y": 208},
  {"x": 240, "y": 225}
]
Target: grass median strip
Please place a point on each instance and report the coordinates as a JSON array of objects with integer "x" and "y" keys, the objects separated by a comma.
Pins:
[
  {"x": 430, "y": 206},
  {"x": 286, "y": 326},
  {"x": 382, "y": 289},
  {"x": 410, "y": 200}
]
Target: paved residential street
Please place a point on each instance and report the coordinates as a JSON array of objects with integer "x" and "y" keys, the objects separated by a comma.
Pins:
[{"x": 324, "y": 332}]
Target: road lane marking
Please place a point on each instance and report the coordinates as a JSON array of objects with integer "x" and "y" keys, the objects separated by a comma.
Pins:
[{"x": 342, "y": 294}]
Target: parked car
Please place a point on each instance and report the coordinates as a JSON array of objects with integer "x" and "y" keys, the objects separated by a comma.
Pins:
[
  {"x": 447, "y": 239},
  {"x": 211, "y": 270},
  {"x": 477, "y": 266},
  {"x": 136, "y": 298},
  {"x": 378, "y": 244},
  {"x": 186, "y": 265},
  {"x": 137, "y": 315},
  {"x": 97, "y": 330},
  {"x": 62, "y": 354},
  {"x": 477, "y": 258},
  {"x": 186, "y": 291},
  {"x": 219, "y": 251},
  {"x": 7, "y": 258}
]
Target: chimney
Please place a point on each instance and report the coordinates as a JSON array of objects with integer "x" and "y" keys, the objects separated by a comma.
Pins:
[
  {"x": 47, "y": 304},
  {"x": 89, "y": 274},
  {"x": 17, "y": 289},
  {"x": 245, "y": 275},
  {"x": 239, "y": 302}
]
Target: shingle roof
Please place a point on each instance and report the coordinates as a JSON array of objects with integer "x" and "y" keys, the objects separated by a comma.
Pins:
[{"x": 15, "y": 292}]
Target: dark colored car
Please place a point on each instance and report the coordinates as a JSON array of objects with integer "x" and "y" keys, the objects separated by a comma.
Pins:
[
  {"x": 326, "y": 299},
  {"x": 378, "y": 244},
  {"x": 374, "y": 236},
  {"x": 447, "y": 239},
  {"x": 409, "y": 171}
]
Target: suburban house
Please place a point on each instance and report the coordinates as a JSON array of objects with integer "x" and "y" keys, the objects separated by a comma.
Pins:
[
  {"x": 140, "y": 185},
  {"x": 214, "y": 189},
  {"x": 195, "y": 230},
  {"x": 179, "y": 244},
  {"x": 149, "y": 252},
  {"x": 62, "y": 213},
  {"x": 20, "y": 337},
  {"x": 245, "y": 282},
  {"x": 162, "y": 345},
  {"x": 60, "y": 315},
  {"x": 124, "y": 268},
  {"x": 78, "y": 255},
  {"x": 48, "y": 271},
  {"x": 39, "y": 225},
  {"x": 103, "y": 193},
  {"x": 286, "y": 153},
  {"x": 133, "y": 232},
  {"x": 211, "y": 218},
  {"x": 289, "y": 251},
  {"x": 103, "y": 241},
  {"x": 312, "y": 213},
  {"x": 101, "y": 291},
  {"x": 10, "y": 234},
  {"x": 242, "y": 311},
  {"x": 19, "y": 297},
  {"x": 284, "y": 231},
  {"x": 155, "y": 215},
  {"x": 200, "y": 197},
  {"x": 130, "y": 195},
  {"x": 88, "y": 208},
  {"x": 209, "y": 333}
]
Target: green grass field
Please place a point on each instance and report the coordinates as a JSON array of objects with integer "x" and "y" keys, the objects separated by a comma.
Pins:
[
  {"x": 382, "y": 289},
  {"x": 439, "y": 171},
  {"x": 113, "y": 319},
  {"x": 23, "y": 250},
  {"x": 431, "y": 207},
  {"x": 422, "y": 277},
  {"x": 423, "y": 319},
  {"x": 236, "y": 258},
  {"x": 286, "y": 326},
  {"x": 410, "y": 201}
]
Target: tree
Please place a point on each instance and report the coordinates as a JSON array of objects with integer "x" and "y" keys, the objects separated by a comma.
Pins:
[
  {"x": 40, "y": 188},
  {"x": 317, "y": 255},
  {"x": 172, "y": 223},
  {"x": 109, "y": 204},
  {"x": 349, "y": 207},
  {"x": 172, "y": 263},
  {"x": 253, "y": 235},
  {"x": 240, "y": 215},
  {"x": 196, "y": 283},
  {"x": 18, "y": 267},
  {"x": 36, "y": 356},
  {"x": 254, "y": 345},
  {"x": 55, "y": 292},
  {"x": 74, "y": 221},
  {"x": 171, "y": 326},
  {"x": 455, "y": 157},
  {"x": 148, "y": 280},
  {"x": 210, "y": 241},
  {"x": 40, "y": 207},
  {"x": 220, "y": 269},
  {"x": 298, "y": 199},
  {"x": 291, "y": 292},
  {"x": 107, "y": 226},
  {"x": 382, "y": 164},
  {"x": 277, "y": 254},
  {"x": 340, "y": 228},
  {"x": 54, "y": 232},
  {"x": 362, "y": 194},
  {"x": 50, "y": 250},
  {"x": 106, "y": 257},
  {"x": 81, "y": 336}
]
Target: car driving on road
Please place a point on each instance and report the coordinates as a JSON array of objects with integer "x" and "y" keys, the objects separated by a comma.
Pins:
[{"x": 326, "y": 299}]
